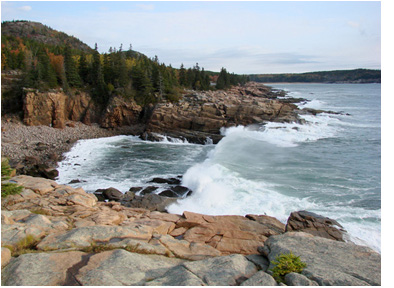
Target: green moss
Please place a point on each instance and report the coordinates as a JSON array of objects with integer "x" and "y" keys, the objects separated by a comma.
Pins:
[{"x": 285, "y": 264}]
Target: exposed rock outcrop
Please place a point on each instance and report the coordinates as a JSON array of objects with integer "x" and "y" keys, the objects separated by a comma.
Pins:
[
  {"x": 316, "y": 225},
  {"x": 202, "y": 114},
  {"x": 121, "y": 112},
  {"x": 80, "y": 241},
  {"x": 55, "y": 108},
  {"x": 329, "y": 262}
]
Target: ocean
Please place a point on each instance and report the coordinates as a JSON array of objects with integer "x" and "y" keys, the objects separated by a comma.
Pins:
[{"x": 330, "y": 166}]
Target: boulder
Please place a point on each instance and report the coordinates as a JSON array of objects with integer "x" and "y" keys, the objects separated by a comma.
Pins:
[
  {"x": 260, "y": 278},
  {"x": 228, "y": 234},
  {"x": 151, "y": 202},
  {"x": 122, "y": 268},
  {"x": 329, "y": 262},
  {"x": 296, "y": 279},
  {"x": 112, "y": 194},
  {"x": 314, "y": 224},
  {"x": 222, "y": 271},
  {"x": 40, "y": 269},
  {"x": 186, "y": 250}
]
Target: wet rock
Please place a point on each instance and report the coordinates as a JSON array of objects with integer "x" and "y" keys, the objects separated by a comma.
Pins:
[
  {"x": 171, "y": 181},
  {"x": 169, "y": 193},
  {"x": 316, "y": 225},
  {"x": 99, "y": 194},
  {"x": 151, "y": 202},
  {"x": 135, "y": 189},
  {"x": 112, "y": 194},
  {"x": 149, "y": 190}
]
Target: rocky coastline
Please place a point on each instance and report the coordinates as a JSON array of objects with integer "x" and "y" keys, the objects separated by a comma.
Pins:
[
  {"x": 58, "y": 235},
  {"x": 54, "y": 234}
]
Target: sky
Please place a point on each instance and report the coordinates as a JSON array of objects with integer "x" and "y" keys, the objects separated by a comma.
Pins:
[{"x": 245, "y": 37}]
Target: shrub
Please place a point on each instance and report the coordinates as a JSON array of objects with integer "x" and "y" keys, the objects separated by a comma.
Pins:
[{"x": 286, "y": 263}]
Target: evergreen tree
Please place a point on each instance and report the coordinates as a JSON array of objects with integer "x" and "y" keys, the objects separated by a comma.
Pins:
[
  {"x": 83, "y": 68},
  {"x": 70, "y": 68},
  {"x": 182, "y": 76}
]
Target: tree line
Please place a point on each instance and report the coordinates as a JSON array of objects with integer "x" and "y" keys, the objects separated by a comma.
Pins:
[{"x": 121, "y": 72}]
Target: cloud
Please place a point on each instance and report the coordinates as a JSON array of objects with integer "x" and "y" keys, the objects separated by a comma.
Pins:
[
  {"x": 147, "y": 7},
  {"x": 353, "y": 24},
  {"x": 25, "y": 8}
]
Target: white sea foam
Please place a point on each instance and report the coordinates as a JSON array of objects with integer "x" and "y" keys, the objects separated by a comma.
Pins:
[{"x": 265, "y": 170}]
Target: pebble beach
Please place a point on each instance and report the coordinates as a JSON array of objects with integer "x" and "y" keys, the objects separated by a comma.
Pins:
[{"x": 19, "y": 141}]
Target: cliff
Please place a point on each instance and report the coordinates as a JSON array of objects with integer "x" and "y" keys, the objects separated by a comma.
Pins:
[
  {"x": 196, "y": 117},
  {"x": 202, "y": 114},
  {"x": 55, "y": 108}
]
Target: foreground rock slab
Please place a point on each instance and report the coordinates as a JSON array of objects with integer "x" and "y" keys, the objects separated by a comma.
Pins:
[{"x": 330, "y": 263}]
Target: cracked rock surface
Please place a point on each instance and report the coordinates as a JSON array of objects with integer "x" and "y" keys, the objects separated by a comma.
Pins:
[{"x": 80, "y": 241}]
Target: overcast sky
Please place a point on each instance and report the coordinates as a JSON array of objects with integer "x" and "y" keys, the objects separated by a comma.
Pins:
[{"x": 244, "y": 37}]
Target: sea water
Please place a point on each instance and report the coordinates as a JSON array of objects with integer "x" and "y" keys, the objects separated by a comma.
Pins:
[{"x": 330, "y": 166}]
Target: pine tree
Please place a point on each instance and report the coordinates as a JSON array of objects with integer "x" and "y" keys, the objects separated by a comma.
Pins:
[
  {"x": 70, "y": 68},
  {"x": 182, "y": 76},
  {"x": 83, "y": 68}
]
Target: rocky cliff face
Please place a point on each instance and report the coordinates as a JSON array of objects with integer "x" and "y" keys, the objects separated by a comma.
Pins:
[
  {"x": 197, "y": 117},
  {"x": 121, "y": 112},
  {"x": 201, "y": 114},
  {"x": 55, "y": 108}
]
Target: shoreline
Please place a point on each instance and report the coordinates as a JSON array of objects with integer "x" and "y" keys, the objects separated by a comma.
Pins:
[{"x": 48, "y": 144}]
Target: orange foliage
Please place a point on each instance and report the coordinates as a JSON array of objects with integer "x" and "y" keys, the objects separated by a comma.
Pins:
[{"x": 57, "y": 62}]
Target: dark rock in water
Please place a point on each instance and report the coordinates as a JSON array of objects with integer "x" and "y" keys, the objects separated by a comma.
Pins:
[
  {"x": 151, "y": 202},
  {"x": 168, "y": 193},
  {"x": 315, "y": 224},
  {"x": 181, "y": 190},
  {"x": 111, "y": 194},
  {"x": 128, "y": 196},
  {"x": 76, "y": 181},
  {"x": 135, "y": 189},
  {"x": 171, "y": 181},
  {"x": 148, "y": 190},
  {"x": 99, "y": 195}
]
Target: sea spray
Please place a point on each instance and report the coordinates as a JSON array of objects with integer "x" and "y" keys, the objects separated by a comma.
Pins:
[{"x": 330, "y": 166}]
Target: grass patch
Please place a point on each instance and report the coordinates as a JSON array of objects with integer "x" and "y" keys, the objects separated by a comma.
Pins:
[
  {"x": 40, "y": 211},
  {"x": 24, "y": 246},
  {"x": 285, "y": 264},
  {"x": 8, "y": 188},
  {"x": 97, "y": 248}
]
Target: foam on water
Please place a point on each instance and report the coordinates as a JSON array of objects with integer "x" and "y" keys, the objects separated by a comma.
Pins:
[{"x": 273, "y": 169}]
